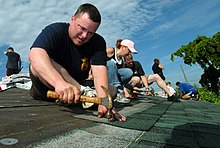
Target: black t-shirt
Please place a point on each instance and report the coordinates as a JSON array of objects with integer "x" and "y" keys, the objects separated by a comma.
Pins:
[
  {"x": 75, "y": 59},
  {"x": 137, "y": 69},
  {"x": 157, "y": 70},
  {"x": 13, "y": 59}
]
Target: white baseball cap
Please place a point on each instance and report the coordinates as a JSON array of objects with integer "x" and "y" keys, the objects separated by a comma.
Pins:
[{"x": 129, "y": 44}]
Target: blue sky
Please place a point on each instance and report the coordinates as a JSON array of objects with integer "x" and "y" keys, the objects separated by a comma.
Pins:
[{"x": 158, "y": 27}]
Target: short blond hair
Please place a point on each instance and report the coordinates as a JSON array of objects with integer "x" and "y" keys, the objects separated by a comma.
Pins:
[{"x": 128, "y": 57}]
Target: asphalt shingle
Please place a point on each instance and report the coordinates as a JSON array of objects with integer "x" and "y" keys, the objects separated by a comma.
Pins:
[{"x": 151, "y": 122}]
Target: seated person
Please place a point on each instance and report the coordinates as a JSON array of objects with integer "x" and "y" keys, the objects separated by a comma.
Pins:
[
  {"x": 62, "y": 54},
  {"x": 117, "y": 74},
  {"x": 171, "y": 89},
  {"x": 188, "y": 90},
  {"x": 139, "y": 77}
]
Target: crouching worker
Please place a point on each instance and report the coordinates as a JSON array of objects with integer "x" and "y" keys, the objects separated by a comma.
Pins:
[
  {"x": 188, "y": 90},
  {"x": 61, "y": 57},
  {"x": 139, "y": 77}
]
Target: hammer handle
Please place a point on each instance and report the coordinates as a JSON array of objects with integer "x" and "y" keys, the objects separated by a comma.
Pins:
[{"x": 96, "y": 100}]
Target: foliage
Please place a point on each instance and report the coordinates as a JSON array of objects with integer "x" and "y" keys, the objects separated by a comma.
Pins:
[
  {"x": 209, "y": 96},
  {"x": 205, "y": 52}
]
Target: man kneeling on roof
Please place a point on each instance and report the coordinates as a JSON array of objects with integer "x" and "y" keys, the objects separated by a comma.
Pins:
[{"x": 139, "y": 77}]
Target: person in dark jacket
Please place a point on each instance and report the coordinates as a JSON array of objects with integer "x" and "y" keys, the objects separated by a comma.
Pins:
[
  {"x": 158, "y": 68},
  {"x": 13, "y": 63}
]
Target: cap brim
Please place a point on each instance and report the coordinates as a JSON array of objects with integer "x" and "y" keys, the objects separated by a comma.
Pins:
[{"x": 133, "y": 50}]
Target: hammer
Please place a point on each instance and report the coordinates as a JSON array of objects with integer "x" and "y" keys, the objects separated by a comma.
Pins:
[{"x": 107, "y": 102}]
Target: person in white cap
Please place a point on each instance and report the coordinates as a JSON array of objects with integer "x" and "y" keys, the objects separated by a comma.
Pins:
[{"x": 117, "y": 74}]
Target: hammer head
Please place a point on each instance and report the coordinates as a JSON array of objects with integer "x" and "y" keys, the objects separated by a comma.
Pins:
[{"x": 108, "y": 102}]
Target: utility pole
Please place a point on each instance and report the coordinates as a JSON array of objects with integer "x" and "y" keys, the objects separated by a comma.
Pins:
[{"x": 183, "y": 73}]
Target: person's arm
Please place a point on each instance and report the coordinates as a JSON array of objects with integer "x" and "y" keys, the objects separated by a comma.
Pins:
[
  {"x": 140, "y": 71},
  {"x": 100, "y": 77},
  {"x": 144, "y": 80},
  {"x": 181, "y": 94},
  {"x": 90, "y": 77},
  {"x": 43, "y": 67},
  {"x": 5, "y": 52},
  {"x": 19, "y": 63},
  {"x": 110, "y": 52},
  {"x": 99, "y": 73},
  {"x": 161, "y": 66}
]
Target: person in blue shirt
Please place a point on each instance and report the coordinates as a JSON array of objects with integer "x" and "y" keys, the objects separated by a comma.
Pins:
[{"x": 188, "y": 90}]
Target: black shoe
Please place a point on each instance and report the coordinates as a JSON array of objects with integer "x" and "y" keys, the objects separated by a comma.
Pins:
[
  {"x": 173, "y": 98},
  {"x": 197, "y": 97}
]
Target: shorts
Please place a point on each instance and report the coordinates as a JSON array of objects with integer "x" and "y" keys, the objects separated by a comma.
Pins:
[
  {"x": 162, "y": 76},
  {"x": 38, "y": 90},
  {"x": 11, "y": 71},
  {"x": 191, "y": 94}
]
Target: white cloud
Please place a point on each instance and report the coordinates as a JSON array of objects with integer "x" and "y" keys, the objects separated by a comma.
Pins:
[{"x": 21, "y": 21}]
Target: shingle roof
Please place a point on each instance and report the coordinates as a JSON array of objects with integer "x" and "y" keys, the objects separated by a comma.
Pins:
[{"x": 151, "y": 122}]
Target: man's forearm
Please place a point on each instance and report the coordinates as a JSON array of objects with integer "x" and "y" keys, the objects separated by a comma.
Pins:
[
  {"x": 144, "y": 80},
  {"x": 100, "y": 79},
  {"x": 181, "y": 94},
  {"x": 19, "y": 63},
  {"x": 41, "y": 64},
  {"x": 161, "y": 66}
]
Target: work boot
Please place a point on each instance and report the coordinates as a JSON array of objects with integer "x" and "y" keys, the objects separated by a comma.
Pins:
[
  {"x": 121, "y": 98},
  {"x": 90, "y": 93},
  {"x": 173, "y": 98},
  {"x": 195, "y": 97}
]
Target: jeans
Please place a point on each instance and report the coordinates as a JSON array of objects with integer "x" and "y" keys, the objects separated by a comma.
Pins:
[{"x": 118, "y": 77}]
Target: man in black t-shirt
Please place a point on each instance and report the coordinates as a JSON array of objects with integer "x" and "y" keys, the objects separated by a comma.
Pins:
[
  {"x": 62, "y": 54},
  {"x": 158, "y": 68},
  {"x": 14, "y": 62},
  {"x": 139, "y": 78}
]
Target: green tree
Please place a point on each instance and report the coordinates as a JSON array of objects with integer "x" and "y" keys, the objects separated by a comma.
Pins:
[{"x": 205, "y": 52}]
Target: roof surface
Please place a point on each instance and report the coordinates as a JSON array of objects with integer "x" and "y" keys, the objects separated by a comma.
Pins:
[{"x": 151, "y": 122}]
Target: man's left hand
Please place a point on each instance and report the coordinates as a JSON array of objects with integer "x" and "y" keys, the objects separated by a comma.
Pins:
[
  {"x": 102, "y": 110},
  {"x": 147, "y": 93}
]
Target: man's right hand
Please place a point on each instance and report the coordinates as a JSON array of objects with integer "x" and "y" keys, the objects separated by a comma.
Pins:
[{"x": 68, "y": 93}]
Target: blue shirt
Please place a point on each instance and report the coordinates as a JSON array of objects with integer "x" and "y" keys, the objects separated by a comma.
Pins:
[{"x": 187, "y": 88}]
